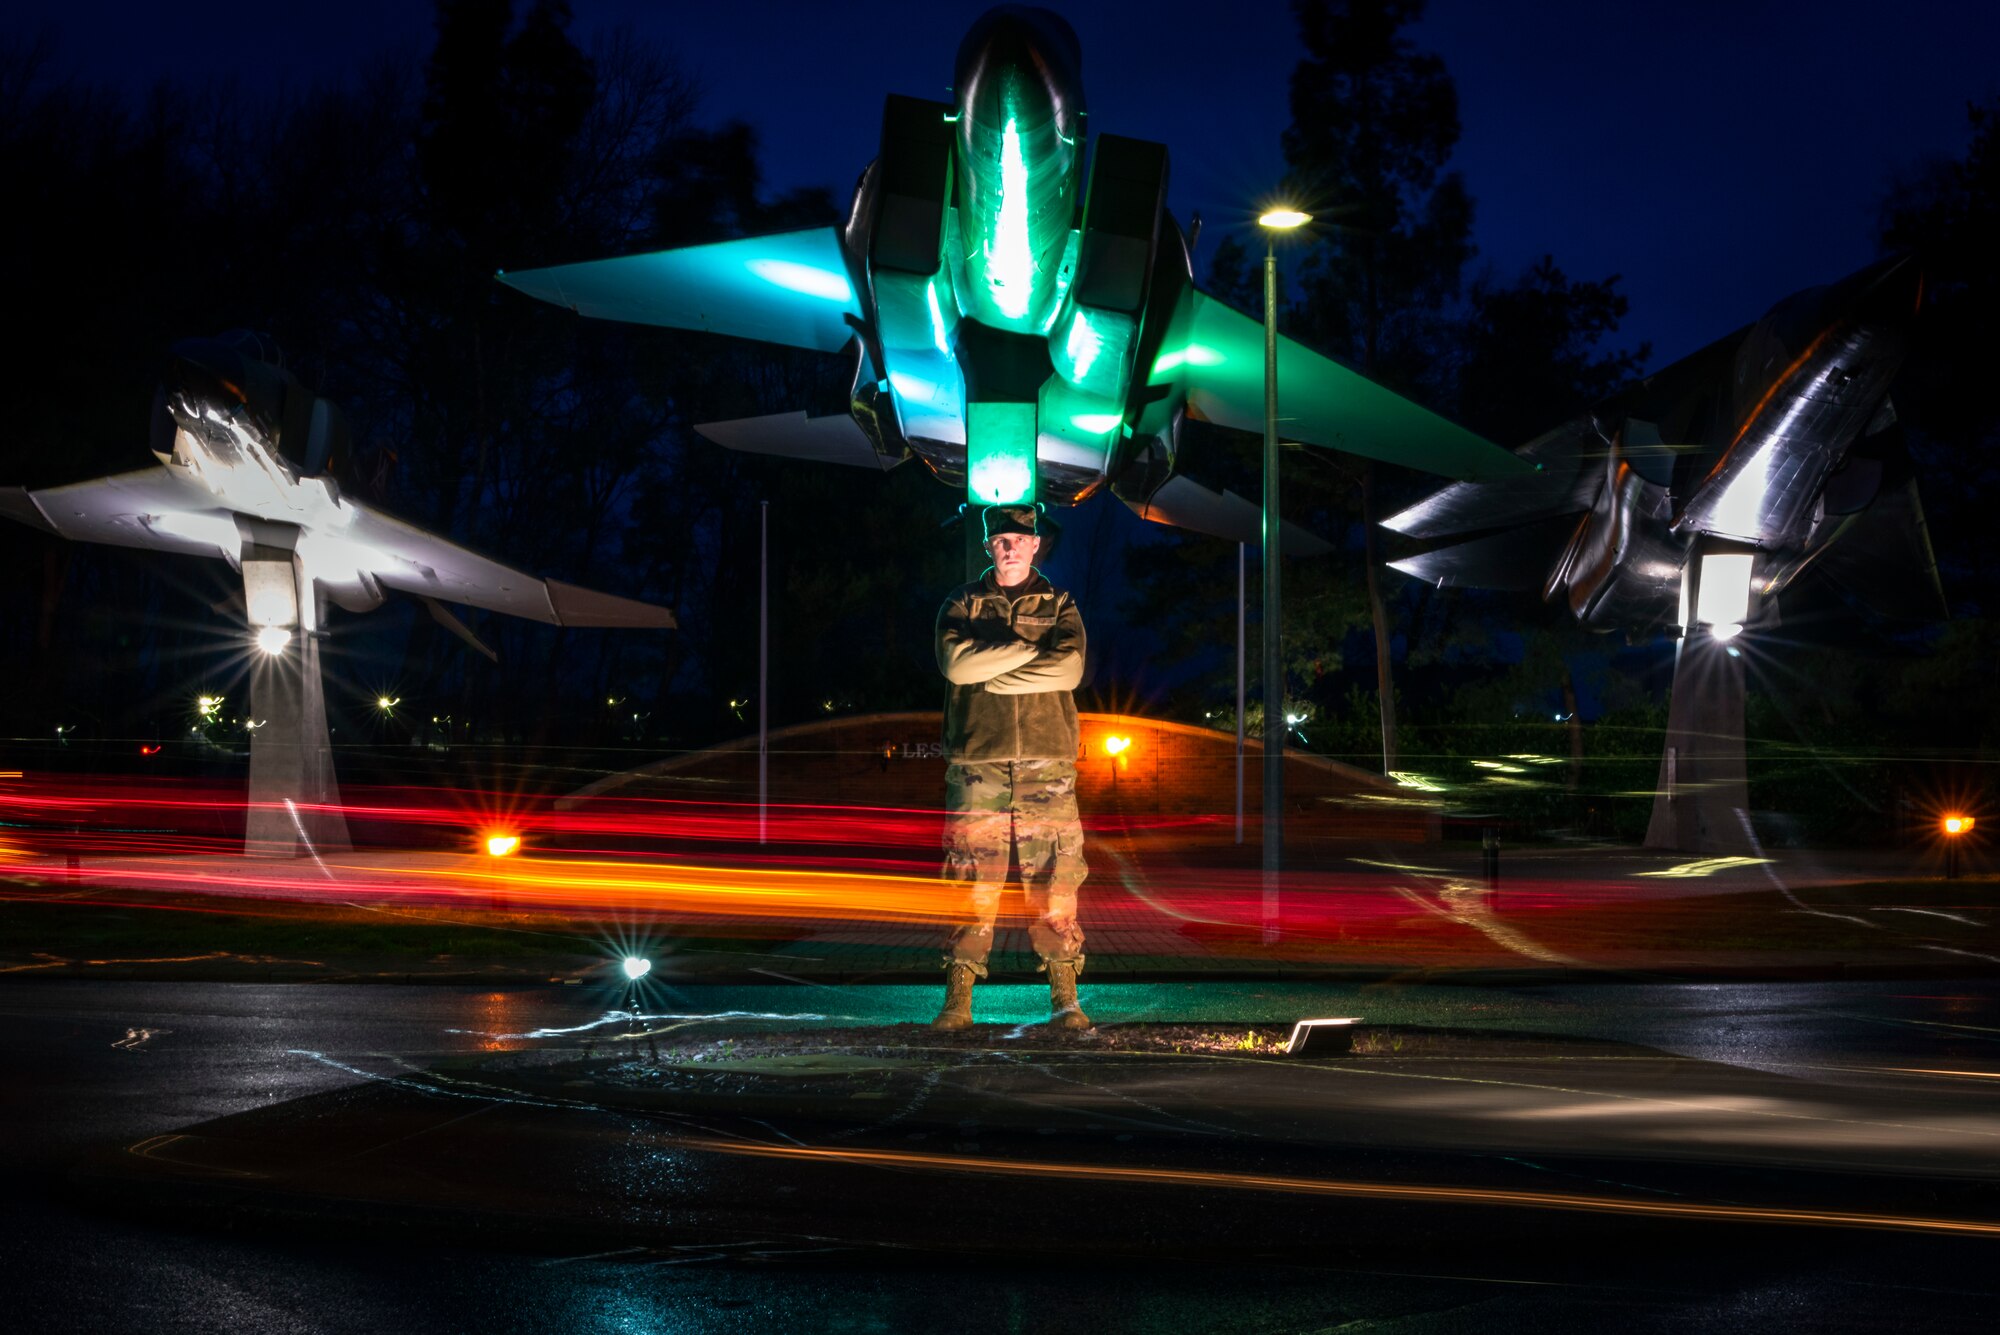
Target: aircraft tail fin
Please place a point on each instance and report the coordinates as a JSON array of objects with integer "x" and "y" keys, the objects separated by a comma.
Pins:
[{"x": 443, "y": 616}]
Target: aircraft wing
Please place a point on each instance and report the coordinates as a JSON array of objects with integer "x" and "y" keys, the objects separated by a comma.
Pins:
[
  {"x": 412, "y": 560},
  {"x": 1561, "y": 485},
  {"x": 150, "y": 508},
  {"x": 1183, "y": 503},
  {"x": 154, "y": 509},
  {"x": 1515, "y": 559},
  {"x": 1320, "y": 402},
  {"x": 792, "y": 288},
  {"x": 836, "y": 439}
]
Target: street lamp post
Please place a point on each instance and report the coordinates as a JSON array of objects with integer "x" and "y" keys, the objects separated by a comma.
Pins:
[
  {"x": 1242, "y": 566},
  {"x": 1275, "y": 221}
]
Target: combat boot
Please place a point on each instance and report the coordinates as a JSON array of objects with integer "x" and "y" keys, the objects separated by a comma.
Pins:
[
  {"x": 957, "y": 1012},
  {"x": 1064, "y": 1012}
]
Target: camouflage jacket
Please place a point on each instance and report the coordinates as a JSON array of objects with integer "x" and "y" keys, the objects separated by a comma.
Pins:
[{"x": 1012, "y": 658}]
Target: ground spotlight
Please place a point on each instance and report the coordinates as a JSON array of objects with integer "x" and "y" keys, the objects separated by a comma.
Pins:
[
  {"x": 637, "y": 968},
  {"x": 501, "y": 845},
  {"x": 1322, "y": 1038},
  {"x": 273, "y": 639}
]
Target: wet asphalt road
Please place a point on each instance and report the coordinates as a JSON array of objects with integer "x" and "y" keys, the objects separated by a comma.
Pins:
[{"x": 93, "y": 1065}]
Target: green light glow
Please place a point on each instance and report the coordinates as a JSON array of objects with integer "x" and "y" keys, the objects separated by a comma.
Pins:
[
  {"x": 1000, "y": 453},
  {"x": 1082, "y": 347},
  {"x": 1194, "y": 354},
  {"x": 1096, "y": 423},
  {"x": 938, "y": 336},
  {"x": 912, "y": 387},
  {"x": 1010, "y": 257},
  {"x": 803, "y": 278}
]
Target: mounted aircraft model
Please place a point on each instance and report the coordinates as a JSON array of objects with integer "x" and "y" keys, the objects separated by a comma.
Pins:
[
  {"x": 1024, "y": 324},
  {"x": 247, "y": 458},
  {"x": 1762, "y": 471}
]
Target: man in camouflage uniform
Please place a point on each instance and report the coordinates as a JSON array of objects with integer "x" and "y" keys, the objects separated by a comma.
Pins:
[{"x": 1011, "y": 647}]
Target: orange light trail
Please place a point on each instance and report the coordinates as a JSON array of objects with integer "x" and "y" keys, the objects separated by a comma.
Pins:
[
  {"x": 697, "y": 891},
  {"x": 1310, "y": 1186},
  {"x": 699, "y": 863}
]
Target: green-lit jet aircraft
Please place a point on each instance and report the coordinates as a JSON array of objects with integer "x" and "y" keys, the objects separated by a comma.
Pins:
[{"x": 1026, "y": 326}]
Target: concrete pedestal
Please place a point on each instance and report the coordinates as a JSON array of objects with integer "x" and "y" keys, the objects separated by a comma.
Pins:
[
  {"x": 1702, "y": 801},
  {"x": 294, "y": 800}
]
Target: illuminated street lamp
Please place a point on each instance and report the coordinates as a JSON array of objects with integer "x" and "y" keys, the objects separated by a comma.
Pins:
[
  {"x": 1955, "y": 827},
  {"x": 1273, "y": 221},
  {"x": 273, "y": 639},
  {"x": 1119, "y": 749},
  {"x": 502, "y": 845}
]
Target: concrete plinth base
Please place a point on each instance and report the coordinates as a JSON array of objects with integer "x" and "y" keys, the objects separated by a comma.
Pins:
[
  {"x": 1701, "y": 803},
  {"x": 294, "y": 797}
]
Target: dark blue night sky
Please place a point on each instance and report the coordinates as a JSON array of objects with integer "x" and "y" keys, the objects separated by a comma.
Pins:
[{"x": 1717, "y": 155}]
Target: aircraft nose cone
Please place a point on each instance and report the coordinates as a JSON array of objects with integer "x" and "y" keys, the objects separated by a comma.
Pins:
[
  {"x": 1023, "y": 64},
  {"x": 221, "y": 375},
  {"x": 201, "y": 375}
]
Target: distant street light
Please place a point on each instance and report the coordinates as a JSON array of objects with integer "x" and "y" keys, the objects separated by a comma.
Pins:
[
  {"x": 1956, "y": 827},
  {"x": 1273, "y": 221}
]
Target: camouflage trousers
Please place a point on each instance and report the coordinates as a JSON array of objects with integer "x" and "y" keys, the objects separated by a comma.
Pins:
[{"x": 1026, "y": 808}]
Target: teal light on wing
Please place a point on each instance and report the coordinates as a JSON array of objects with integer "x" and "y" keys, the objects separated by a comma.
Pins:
[
  {"x": 791, "y": 288},
  {"x": 804, "y": 278},
  {"x": 1217, "y": 354}
]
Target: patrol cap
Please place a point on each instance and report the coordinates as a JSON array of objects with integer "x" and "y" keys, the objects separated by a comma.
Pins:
[{"x": 1011, "y": 519}]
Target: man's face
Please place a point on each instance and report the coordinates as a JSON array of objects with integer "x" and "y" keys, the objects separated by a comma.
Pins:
[{"x": 1013, "y": 556}]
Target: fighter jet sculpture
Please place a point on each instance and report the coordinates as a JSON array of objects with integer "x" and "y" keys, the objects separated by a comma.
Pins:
[
  {"x": 1026, "y": 326},
  {"x": 1702, "y": 499},
  {"x": 247, "y": 457}
]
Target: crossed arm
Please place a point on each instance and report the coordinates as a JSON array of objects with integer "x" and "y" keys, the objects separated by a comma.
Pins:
[
  {"x": 1013, "y": 666},
  {"x": 966, "y": 660}
]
